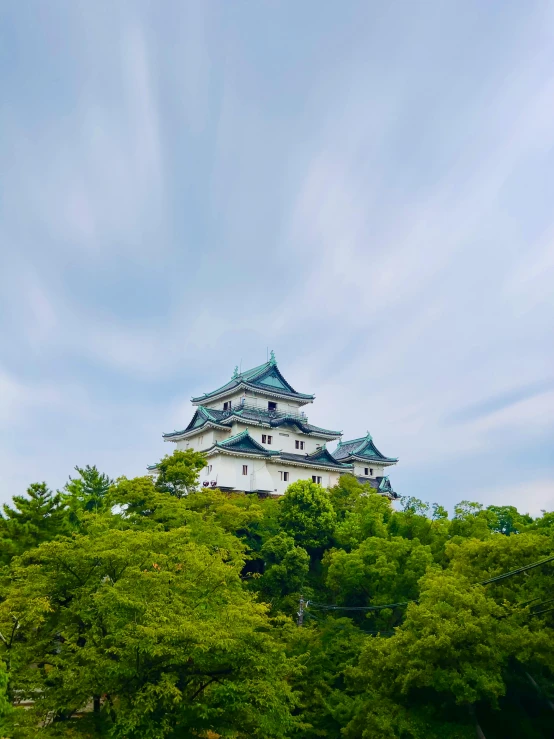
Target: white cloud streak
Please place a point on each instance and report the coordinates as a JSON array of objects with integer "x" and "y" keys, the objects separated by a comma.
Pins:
[{"x": 368, "y": 234}]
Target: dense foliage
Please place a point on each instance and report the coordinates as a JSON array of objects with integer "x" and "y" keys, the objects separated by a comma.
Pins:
[{"x": 149, "y": 609}]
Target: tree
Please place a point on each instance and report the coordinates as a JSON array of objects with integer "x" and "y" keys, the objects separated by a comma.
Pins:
[
  {"x": 367, "y": 517},
  {"x": 141, "y": 504},
  {"x": 507, "y": 520},
  {"x": 346, "y": 494},
  {"x": 4, "y": 702},
  {"x": 325, "y": 649},
  {"x": 439, "y": 512},
  {"x": 450, "y": 654},
  {"x": 177, "y": 473},
  {"x": 414, "y": 505},
  {"x": 377, "y": 572},
  {"x": 306, "y": 514},
  {"x": 151, "y": 614},
  {"x": 37, "y": 517},
  {"x": 471, "y": 521},
  {"x": 481, "y": 560},
  {"x": 87, "y": 492},
  {"x": 211, "y": 517},
  {"x": 286, "y": 567},
  {"x": 156, "y": 631}
]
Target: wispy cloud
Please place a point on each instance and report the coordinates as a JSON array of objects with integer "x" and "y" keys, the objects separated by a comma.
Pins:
[
  {"x": 500, "y": 402},
  {"x": 187, "y": 188}
]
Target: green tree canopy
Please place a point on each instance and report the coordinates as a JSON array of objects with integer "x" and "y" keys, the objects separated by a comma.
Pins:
[
  {"x": 35, "y": 517},
  {"x": 88, "y": 492},
  {"x": 507, "y": 520},
  {"x": 450, "y": 653},
  {"x": 378, "y": 571},
  {"x": 150, "y": 608},
  {"x": 286, "y": 568},
  {"x": 177, "y": 473},
  {"x": 156, "y": 629},
  {"x": 307, "y": 514}
]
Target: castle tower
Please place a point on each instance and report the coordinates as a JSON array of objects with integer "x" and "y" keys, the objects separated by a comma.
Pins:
[{"x": 257, "y": 438}]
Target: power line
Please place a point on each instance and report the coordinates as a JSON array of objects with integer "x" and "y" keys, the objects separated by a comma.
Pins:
[
  {"x": 516, "y": 572},
  {"x": 365, "y": 631},
  {"x": 325, "y": 607},
  {"x": 503, "y": 576},
  {"x": 538, "y": 605},
  {"x": 538, "y": 613}
]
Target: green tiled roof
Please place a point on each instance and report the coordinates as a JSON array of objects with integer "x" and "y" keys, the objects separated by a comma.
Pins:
[
  {"x": 264, "y": 377},
  {"x": 363, "y": 448},
  {"x": 385, "y": 486},
  {"x": 379, "y": 484},
  {"x": 201, "y": 417},
  {"x": 321, "y": 457},
  {"x": 243, "y": 442},
  {"x": 224, "y": 419}
]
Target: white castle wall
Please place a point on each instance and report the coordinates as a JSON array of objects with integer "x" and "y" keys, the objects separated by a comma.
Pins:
[
  {"x": 283, "y": 438},
  {"x": 359, "y": 469},
  {"x": 227, "y": 471},
  {"x": 256, "y": 400}
]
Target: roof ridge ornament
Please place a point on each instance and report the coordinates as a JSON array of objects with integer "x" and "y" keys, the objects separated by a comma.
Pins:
[
  {"x": 272, "y": 359},
  {"x": 369, "y": 437},
  {"x": 235, "y": 372}
]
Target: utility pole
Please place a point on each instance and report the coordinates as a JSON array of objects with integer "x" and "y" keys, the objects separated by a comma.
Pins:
[{"x": 301, "y": 612}]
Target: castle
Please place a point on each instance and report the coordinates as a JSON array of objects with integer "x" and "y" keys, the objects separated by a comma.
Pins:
[{"x": 257, "y": 439}]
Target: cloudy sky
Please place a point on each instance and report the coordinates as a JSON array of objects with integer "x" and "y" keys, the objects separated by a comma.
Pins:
[{"x": 365, "y": 187}]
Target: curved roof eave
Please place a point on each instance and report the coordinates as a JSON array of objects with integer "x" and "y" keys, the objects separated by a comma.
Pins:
[
  {"x": 378, "y": 460},
  {"x": 272, "y": 393}
]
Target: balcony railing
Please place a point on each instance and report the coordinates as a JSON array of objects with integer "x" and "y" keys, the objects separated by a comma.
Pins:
[{"x": 243, "y": 406}]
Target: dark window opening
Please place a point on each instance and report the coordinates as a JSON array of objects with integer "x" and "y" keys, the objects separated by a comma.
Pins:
[
  {"x": 271, "y": 406},
  {"x": 244, "y": 469}
]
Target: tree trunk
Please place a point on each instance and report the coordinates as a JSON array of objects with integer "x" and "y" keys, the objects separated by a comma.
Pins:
[
  {"x": 478, "y": 729},
  {"x": 539, "y": 691}
]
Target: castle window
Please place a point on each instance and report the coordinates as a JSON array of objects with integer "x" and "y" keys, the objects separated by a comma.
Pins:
[
  {"x": 284, "y": 475},
  {"x": 244, "y": 469},
  {"x": 371, "y": 471},
  {"x": 209, "y": 468},
  {"x": 316, "y": 478},
  {"x": 271, "y": 406},
  {"x": 266, "y": 439},
  {"x": 299, "y": 444},
  {"x": 366, "y": 471},
  {"x": 227, "y": 405}
]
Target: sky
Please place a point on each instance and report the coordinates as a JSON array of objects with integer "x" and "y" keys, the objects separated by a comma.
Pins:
[{"x": 366, "y": 188}]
